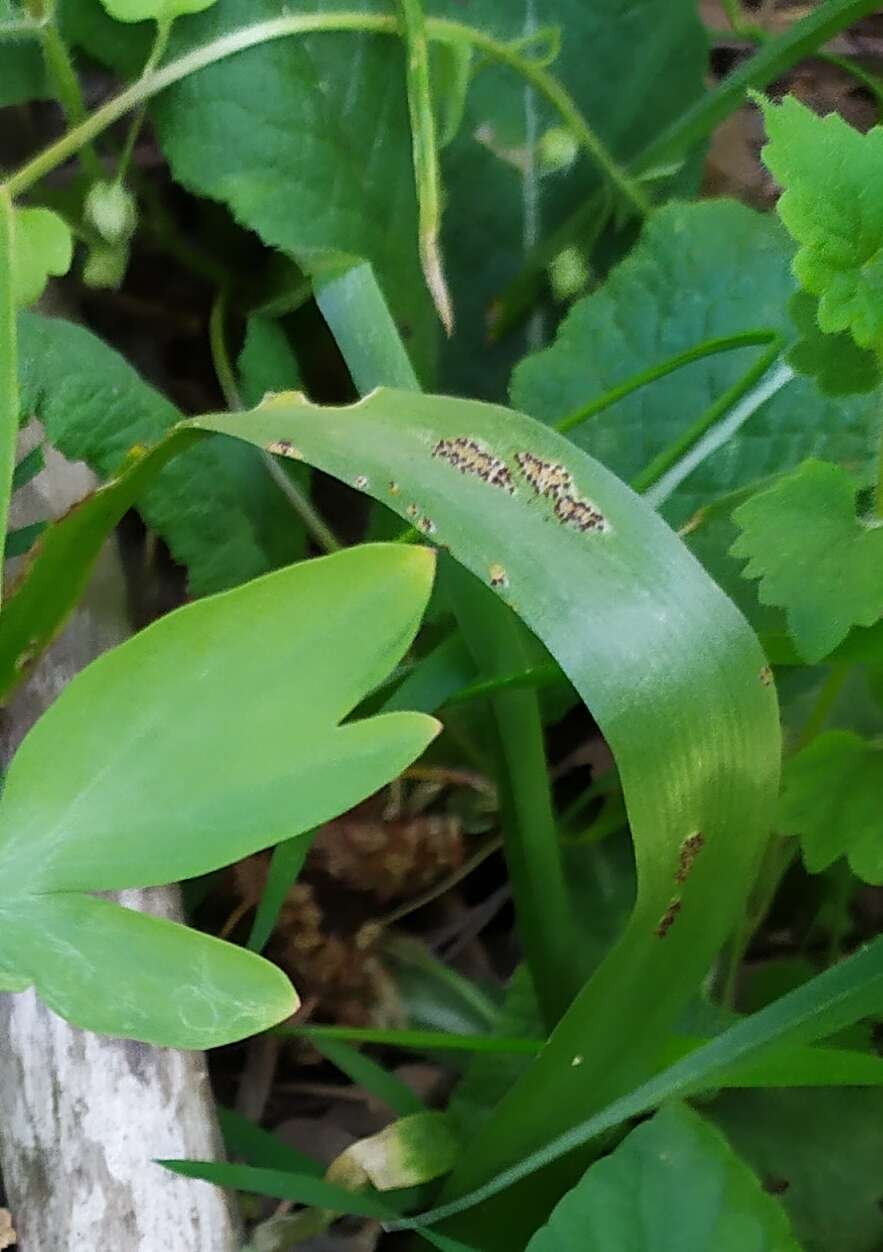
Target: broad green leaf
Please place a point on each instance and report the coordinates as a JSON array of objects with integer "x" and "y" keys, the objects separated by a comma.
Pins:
[
  {"x": 568, "y": 545},
  {"x": 820, "y": 1151},
  {"x": 831, "y": 793},
  {"x": 266, "y": 362},
  {"x": 220, "y": 513},
  {"x": 678, "y": 289},
  {"x": 833, "y": 206},
  {"x": 307, "y": 141},
  {"x": 839, "y": 366},
  {"x": 115, "y": 787},
  {"x": 815, "y": 558},
  {"x": 673, "y": 1185},
  {"x": 121, "y": 972},
  {"x": 51, "y": 585},
  {"x": 842, "y": 995},
  {"x": 157, "y": 10},
  {"x": 43, "y": 248},
  {"x": 629, "y": 86},
  {"x": 407, "y": 1153},
  {"x": 22, "y": 72}
]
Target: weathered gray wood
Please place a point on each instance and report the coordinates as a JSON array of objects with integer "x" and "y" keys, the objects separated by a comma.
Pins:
[{"x": 82, "y": 1117}]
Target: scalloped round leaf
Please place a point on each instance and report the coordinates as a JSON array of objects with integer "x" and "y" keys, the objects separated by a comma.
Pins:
[
  {"x": 155, "y": 10},
  {"x": 814, "y": 557},
  {"x": 43, "y": 249},
  {"x": 831, "y": 799},
  {"x": 836, "y": 362},
  {"x": 832, "y": 204},
  {"x": 673, "y": 1185}
]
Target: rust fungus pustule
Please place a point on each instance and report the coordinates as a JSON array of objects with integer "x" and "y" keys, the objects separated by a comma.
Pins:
[
  {"x": 690, "y": 849},
  {"x": 552, "y": 481},
  {"x": 668, "y": 917},
  {"x": 469, "y": 457},
  {"x": 498, "y": 576},
  {"x": 284, "y": 447}
]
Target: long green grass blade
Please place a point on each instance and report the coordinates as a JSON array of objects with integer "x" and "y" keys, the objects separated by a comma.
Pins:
[
  {"x": 835, "y": 999},
  {"x": 669, "y": 668}
]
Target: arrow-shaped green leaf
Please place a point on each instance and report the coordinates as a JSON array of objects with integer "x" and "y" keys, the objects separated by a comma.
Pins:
[{"x": 210, "y": 735}]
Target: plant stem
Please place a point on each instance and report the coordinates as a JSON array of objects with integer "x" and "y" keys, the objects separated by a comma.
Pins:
[
  {"x": 669, "y": 456},
  {"x": 821, "y": 709},
  {"x": 415, "y": 1040},
  {"x": 425, "y": 147},
  {"x": 163, "y": 30},
  {"x": 305, "y": 23},
  {"x": 293, "y": 492},
  {"x": 710, "y": 347},
  {"x": 67, "y": 89},
  {"x": 9, "y": 404}
]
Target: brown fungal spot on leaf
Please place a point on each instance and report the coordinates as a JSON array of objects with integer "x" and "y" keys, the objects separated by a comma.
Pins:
[
  {"x": 284, "y": 447},
  {"x": 572, "y": 511},
  {"x": 427, "y": 525},
  {"x": 498, "y": 576},
  {"x": 547, "y": 478},
  {"x": 690, "y": 849},
  {"x": 766, "y": 677},
  {"x": 554, "y": 482},
  {"x": 413, "y": 511},
  {"x": 394, "y": 489},
  {"x": 469, "y": 457},
  {"x": 361, "y": 482},
  {"x": 668, "y": 917}
]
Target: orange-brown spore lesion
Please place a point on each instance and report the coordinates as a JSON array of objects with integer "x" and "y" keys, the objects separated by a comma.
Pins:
[
  {"x": 554, "y": 482},
  {"x": 668, "y": 917},
  {"x": 284, "y": 447},
  {"x": 469, "y": 457}
]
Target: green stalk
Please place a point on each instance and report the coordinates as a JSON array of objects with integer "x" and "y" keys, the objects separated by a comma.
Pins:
[
  {"x": 306, "y": 23},
  {"x": 415, "y": 1040},
  {"x": 710, "y": 347},
  {"x": 294, "y": 494},
  {"x": 9, "y": 406},
  {"x": 676, "y": 450},
  {"x": 426, "y": 166},
  {"x": 160, "y": 43},
  {"x": 66, "y": 85},
  {"x": 775, "y": 57}
]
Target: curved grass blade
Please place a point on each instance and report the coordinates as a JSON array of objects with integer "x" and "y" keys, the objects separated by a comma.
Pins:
[
  {"x": 669, "y": 668},
  {"x": 835, "y": 999}
]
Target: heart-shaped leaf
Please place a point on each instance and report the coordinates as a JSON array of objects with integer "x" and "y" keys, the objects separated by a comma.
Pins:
[
  {"x": 210, "y": 735},
  {"x": 674, "y": 1183}
]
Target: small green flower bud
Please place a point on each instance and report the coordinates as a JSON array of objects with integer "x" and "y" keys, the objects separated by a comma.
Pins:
[{"x": 111, "y": 210}]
